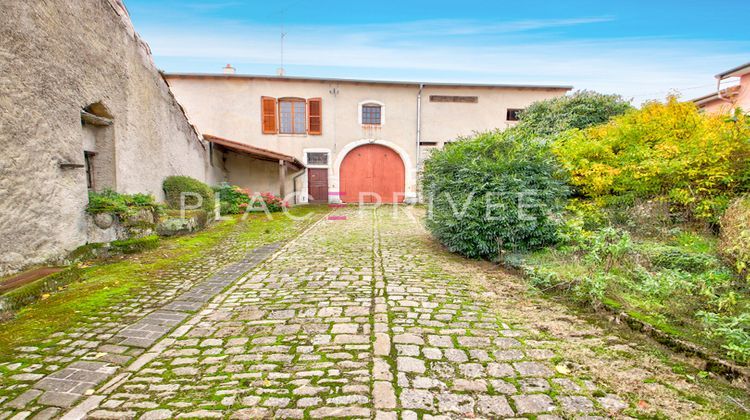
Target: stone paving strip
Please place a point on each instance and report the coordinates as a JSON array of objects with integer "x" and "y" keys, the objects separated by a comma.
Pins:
[
  {"x": 352, "y": 319},
  {"x": 66, "y": 386}
]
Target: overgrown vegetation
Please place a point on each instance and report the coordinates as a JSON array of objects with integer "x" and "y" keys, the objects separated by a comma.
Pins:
[
  {"x": 123, "y": 205},
  {"x": 650, "y": 190},
  {"x": 675, "y": 281},
  {"x": 475, "y": 186},
  {"x": 735, "y": 236},
  {"x": 177, "y": 187}
]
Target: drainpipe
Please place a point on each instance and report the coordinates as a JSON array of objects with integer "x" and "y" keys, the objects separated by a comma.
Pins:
[
  {"x": 718, "y": 90},
  {"x": 294, "y": 183},
  {"x": 419, "y": 137}
]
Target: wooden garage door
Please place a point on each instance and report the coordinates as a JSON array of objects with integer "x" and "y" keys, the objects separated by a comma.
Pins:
[{"x": 374, "y": 169}]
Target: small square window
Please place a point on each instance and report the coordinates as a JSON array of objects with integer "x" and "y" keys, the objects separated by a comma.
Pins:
[
  {"x": 371, "y": 114},
  {"x": 514, "y": 114}
]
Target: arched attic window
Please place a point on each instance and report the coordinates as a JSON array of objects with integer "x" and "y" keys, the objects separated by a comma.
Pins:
[{"x": 371, "y": 113}]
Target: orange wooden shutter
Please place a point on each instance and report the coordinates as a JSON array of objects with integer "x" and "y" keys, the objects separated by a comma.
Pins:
[
  {"x": 315, "y": 116},
  {"x": 268, "y": 114}
]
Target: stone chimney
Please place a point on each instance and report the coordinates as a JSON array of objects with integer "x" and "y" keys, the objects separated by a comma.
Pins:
[{"x": 228, "y": 69}]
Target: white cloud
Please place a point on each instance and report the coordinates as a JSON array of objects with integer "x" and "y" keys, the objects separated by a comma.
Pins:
[{"x": 454, "y": 50}]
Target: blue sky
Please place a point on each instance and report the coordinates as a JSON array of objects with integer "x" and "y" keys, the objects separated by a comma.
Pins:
[{"x": 640, "y": 49}]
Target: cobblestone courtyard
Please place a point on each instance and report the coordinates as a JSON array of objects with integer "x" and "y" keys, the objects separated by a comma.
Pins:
[{"x": 354, "y": 318}]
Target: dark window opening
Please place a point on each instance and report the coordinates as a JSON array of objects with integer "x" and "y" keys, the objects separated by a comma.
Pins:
[
  {"x": 88, "y": 158},
  {"x": 428, "y": 143},
  {"x": 514, "y": 114},
  {"x": 371, "y": 114}
]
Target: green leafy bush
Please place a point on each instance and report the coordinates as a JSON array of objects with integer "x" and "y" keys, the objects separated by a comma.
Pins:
[
  {"x": 580, "y": 110},
  {"x": 235, "y": 200},
  {"x": 492, "y": 192},
  {"x": 607, "y": 247},
  {"x": 232, "y": 199},
  {"x": 273, "y": 203},
  {"x": 109, "y": 201},
  {"x": 670, "y": 151},
  {"x": 174, "y": 186},
  {"x": 734, "y": 245},
  {"x": 734, "y": 330}
]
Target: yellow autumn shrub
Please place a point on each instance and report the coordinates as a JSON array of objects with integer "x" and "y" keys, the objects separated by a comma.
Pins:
[{"x": 666, "y": 150}]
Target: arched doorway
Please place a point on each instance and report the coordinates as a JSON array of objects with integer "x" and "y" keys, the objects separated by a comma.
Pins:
[{"x": 372, "y": 169}]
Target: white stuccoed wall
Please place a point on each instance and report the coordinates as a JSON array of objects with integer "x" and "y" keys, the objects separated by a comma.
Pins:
[{"x": 57, "y": 57}]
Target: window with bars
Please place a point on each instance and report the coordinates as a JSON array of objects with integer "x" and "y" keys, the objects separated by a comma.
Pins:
[
  {"x": 317, "y": 158},
  {"x": 371, "y": 114},
  {"x": 292, "y": 116}
]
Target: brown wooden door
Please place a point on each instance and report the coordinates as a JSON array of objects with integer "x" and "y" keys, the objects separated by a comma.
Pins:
[
  {"x": 372, "y": 168},
  {"x": 317, "y": 185}
]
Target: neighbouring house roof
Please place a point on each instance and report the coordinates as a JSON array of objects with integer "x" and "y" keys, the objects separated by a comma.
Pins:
[
  {"x": 727, "y": 93},
  {"x": 735, "y": 72},
  {"x": 255, "y": 152},
  {"x": 360, "y": 81}
]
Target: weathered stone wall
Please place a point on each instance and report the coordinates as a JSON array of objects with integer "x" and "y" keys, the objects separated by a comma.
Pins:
[{"x": 57, "y": 57}]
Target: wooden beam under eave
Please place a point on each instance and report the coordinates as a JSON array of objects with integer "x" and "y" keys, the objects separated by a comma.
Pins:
[{"x": 93, "y": 119}]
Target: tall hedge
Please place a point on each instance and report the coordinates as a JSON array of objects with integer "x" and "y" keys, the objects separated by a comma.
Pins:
[
  {"x": 175, "y": 185},
  {"x": 495, "y": 191},
  {"x": 580, "y": 110}
]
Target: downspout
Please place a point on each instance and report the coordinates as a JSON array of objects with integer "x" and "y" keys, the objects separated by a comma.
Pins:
[
  {"x": 718, "y": 89},
  {"x": 294, "y": 183},
  {"x": 419, "y": 119},
  {"x": 419, "y": 140}
]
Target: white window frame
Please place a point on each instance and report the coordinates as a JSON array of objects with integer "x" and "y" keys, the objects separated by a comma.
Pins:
[
  {"x": 316, "y": 150},
  {"x": 304, "y": 161},
  {"x": 371, "y": 102}
]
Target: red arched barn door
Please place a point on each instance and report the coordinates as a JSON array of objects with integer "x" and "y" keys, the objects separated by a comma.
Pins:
[{"x": 372, "y": 169}]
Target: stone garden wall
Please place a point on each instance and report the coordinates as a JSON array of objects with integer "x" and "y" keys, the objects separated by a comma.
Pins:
[{"x": 58, "y": 57}]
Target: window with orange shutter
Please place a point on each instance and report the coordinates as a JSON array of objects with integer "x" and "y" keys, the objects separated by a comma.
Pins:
[
  {"x": 315, "y": 116},
  {"x": 268, "y": 115}
]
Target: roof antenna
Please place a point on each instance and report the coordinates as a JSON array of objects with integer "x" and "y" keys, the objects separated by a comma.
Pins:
[{"x": 280, "y": 70}]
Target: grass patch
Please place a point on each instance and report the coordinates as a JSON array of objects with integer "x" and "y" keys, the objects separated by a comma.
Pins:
[{"x": 135, "y": 245}]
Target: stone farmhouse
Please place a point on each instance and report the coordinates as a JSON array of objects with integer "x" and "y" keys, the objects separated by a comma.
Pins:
[
  {"x": 87, "y": 109},
  {"x": 355, "y": 139}
]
